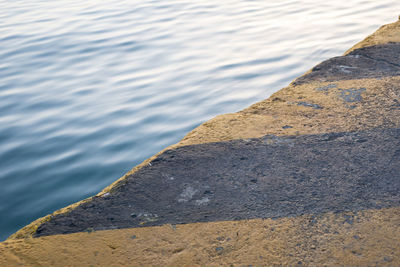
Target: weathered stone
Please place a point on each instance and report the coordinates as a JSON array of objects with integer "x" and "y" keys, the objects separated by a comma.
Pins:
[
  {"x": 368, "y": 62},
  {"x": 259, "y": 178}
]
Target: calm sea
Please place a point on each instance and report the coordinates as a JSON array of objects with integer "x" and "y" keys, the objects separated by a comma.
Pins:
[{"x": 89, "y": 89}]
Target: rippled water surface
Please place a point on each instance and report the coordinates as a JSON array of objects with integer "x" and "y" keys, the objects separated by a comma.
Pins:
[{"x": 88, "y": 89}]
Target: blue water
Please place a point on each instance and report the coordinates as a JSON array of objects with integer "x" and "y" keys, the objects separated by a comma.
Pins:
[{"x": 89, "y": 89}]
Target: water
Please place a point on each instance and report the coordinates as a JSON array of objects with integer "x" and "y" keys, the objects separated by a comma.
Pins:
[{"x": 89, "y": 89}]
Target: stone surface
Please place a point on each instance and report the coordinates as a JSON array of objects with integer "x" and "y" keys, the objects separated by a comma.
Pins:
[
  {"x": 369, "y": 62},
  {"x": 265, "y": 177},
  {"x": 314, "y": 240},
  {"x": 316, "y": 165}
]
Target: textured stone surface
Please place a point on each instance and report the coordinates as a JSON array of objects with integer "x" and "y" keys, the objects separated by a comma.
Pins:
[
  {"x": 244, "y": 179},
  {"x": 364, "y": 238},
  {"x": 369, "y": 62}
]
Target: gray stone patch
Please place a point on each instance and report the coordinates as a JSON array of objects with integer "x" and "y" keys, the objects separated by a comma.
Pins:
[
  {"x": 351, "y": 95},
  {"x": 327, "y": 87},
  {"x": 187, "y": 194},
  {"x": 145, "y": 216},
  {"x": 346, "y": 69},
  {"x": 168, "y": 177},
  {"x": 272, "y": 139},
  {"x": 148, "y": 217},
  {"x": 305, "y": 104},
  {"x": 387, "y": 259},
  {"x": 202, "y": 201},
  {"x": 287, "y": 127}
]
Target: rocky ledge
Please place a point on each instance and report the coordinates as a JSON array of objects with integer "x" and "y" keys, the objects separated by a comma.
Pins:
[{"x": 309, "y": 176}]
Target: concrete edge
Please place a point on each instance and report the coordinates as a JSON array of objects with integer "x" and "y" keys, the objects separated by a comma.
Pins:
[{"x": 385, "y": 34}]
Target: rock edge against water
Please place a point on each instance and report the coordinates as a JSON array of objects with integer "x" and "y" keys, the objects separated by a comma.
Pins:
[{"x": 308, "y": 176}]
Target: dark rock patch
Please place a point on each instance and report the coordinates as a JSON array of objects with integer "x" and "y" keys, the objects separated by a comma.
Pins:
[
  {"x": 267, "y": 177},
  {"x": 309, "y": 105},
  {"x": 369, "y": 62},
  {"x": 351, "y": 95},
  {"x": 327, "y": 87}
]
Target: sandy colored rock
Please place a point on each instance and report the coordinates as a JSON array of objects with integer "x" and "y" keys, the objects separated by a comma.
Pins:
[
  {"x": 293, "y": 107},
  {"x": 366, "y": 238},
  {"x": 385, "y": 34}
]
